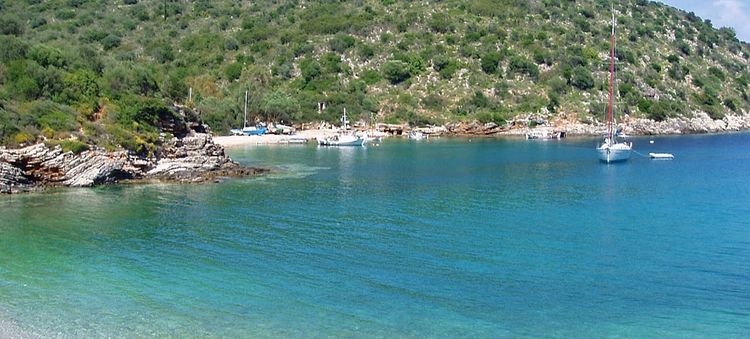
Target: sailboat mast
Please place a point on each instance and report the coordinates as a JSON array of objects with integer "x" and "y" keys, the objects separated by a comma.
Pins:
[
  {"x": 611, "y": 78},
  {"x": 244, "y": 124}
]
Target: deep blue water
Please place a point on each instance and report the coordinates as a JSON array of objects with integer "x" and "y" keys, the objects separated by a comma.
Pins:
[{"x": 446, "y": 238}]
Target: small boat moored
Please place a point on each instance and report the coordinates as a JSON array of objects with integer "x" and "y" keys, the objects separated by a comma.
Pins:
[
  {"x": 417, "y": 135},
  {"x": 667, "y": 156},
  {"x": 345, "y": 137},
  {"x": 342, "y": 140}
]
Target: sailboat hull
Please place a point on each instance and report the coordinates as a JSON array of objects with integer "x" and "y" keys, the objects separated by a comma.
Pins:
[{"x": 612, "y": 154}]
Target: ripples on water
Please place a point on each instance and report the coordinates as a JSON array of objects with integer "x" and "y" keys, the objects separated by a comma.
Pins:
[{"x": 446, "y": 238}]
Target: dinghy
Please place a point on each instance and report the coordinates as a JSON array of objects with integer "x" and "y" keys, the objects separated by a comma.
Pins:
[{"x": 661, "y": 155}]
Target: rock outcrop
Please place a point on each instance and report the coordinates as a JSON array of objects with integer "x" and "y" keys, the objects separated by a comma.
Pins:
[
  {"x": 192, "y": 158},
  {"x": 189, "y": 156}
]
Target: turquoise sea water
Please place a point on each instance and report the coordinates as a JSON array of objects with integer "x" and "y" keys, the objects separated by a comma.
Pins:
[{"x": 446, "y": 238}]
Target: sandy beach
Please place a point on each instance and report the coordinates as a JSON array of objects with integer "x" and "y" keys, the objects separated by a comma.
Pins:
[{"x": 267, "y": 139}]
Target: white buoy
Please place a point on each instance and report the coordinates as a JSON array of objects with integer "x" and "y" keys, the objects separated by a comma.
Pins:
[{"x": 651, "y": 142}]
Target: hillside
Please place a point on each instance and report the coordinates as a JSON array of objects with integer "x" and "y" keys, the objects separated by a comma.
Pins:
[{"x": 105, "y": 71}]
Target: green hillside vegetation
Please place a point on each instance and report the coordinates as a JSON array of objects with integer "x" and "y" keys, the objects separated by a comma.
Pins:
[{"x": 106, "y": 71}]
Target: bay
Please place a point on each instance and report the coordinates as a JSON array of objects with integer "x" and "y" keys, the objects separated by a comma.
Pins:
[{"x": 446, "y": 238}]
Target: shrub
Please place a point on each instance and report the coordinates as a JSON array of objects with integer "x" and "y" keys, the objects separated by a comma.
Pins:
[
  {"x": 23, "y": 137},
  {"x": 341, "y": 42},
  {"x": 233, "y": 71},
  {"x": 74, "y": 146},
  {"x": 521, "y": 65},
  {"x": 489, "y": 62},
  {"x": 441, "y": 23},
  {"x": 366, "y": 51},
  {"x": 47, "y": 56},
  {"x": 396, "y": 71},
  {"x": 370, "y": 77},
  {"x": 662, "y": 109},
  {"x": 445, "y": 65},
  {"x": 146, "y": 112},
  {"x": 414, "y": 60},
  {"x": 715, "y": 71},
  {"x": 11, "y": 25},
  {"x": 433, "y": 102},
  {"x": 582, "y": 79},
  {"x": 38, "y": 22},
  {"x": 487, "y": 116},
  {"x": 13, "y": 49},
  {"x": 111, "y": 41}
]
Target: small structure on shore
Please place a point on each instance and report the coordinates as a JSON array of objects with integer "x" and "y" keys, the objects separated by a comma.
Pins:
[
  {"x": 392, "y": 129},
  {"x": 545, "y": 133}
]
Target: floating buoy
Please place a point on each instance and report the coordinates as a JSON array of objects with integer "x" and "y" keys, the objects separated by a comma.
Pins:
[{"x": 651, "y": 142}]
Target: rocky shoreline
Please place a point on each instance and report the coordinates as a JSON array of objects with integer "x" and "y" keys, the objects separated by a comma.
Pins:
[
  {"x": 186, "y": 153},
  {"x": 700, "y": 123},
  {"x": 193, "y": 158}
]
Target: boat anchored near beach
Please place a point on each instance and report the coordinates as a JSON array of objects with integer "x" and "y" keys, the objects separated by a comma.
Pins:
[
  {"x": 249, "y": 130},
  {"x": 417, "y": 135},
  {"x": 612, "y": 150},
  {"x": 344, "y": 138}
]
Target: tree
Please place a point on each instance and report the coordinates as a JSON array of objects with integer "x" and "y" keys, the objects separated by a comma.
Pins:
[
  {"x": 396, "y": 71},
  {"x": 279, "y": 105},
  {"x": 310, "y": 69}
]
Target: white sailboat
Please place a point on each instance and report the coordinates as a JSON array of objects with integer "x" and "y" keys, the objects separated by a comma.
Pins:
[
  {"x": 612, "y": 150},
  {"x": 248, "y": 130}
]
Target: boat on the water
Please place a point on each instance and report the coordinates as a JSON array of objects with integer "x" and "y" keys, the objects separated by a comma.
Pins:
[
  {"x": 612, "y": 150},
  {"x": 417, "y": 135},
  {"x": 342, "y": 140},
  {"x": 344, "y": 137},
  {"x": 668, "y": 156}
]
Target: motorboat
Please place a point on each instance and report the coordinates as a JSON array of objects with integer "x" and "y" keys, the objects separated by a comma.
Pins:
[
  {"x": 344, "y": 137},
  {"x": 417, "y": 135}
]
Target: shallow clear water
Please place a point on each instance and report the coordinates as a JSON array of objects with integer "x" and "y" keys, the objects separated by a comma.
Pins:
[{"x": 451, "y": 237}]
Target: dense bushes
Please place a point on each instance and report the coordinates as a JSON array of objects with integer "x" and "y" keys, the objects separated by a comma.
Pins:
[{"x": 74, "y": 68}]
